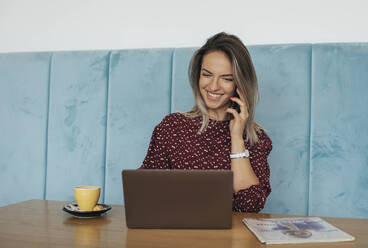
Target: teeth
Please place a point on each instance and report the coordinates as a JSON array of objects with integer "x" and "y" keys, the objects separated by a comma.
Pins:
[{"x": 213, "y": 95}]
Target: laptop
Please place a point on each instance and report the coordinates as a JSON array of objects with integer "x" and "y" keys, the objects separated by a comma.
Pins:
[{"x": 179, "y": 199}]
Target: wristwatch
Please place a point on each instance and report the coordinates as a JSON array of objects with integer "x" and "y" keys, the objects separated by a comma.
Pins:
[{"x": 244, "y": 154}]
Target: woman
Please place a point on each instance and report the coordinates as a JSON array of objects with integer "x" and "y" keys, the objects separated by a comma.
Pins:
[{"x": 215, "y": 133}]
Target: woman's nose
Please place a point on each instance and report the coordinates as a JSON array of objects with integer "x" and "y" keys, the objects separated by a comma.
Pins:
[{"x": 214, "y": 85}]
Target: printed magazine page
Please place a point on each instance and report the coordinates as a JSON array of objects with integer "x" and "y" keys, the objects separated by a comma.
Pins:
[{"x": 295, "y": 230}]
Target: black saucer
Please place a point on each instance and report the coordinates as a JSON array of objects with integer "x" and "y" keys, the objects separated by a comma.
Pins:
[{"x": 85, "y": 214}]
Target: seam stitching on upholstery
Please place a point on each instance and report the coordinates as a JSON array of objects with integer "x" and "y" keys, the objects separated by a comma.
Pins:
[
  {"x": 106, "y": 125},
  {"x": 171, "y": 81},
  {"x": 310, "y": 130},
  {"x": 47, "y": 125}
]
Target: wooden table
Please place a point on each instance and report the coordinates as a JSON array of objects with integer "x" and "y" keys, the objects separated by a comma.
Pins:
[{"x": 38, "y": 223}]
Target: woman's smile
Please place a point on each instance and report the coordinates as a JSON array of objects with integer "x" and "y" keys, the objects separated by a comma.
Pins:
[{"x": 213, "y": 96}]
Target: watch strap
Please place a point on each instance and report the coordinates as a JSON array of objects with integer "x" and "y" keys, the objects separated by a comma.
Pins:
[{"x": 244, "y": 154}]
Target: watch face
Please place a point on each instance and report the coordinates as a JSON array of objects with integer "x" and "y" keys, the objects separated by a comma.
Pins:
[{"x": 244, "y": 154}]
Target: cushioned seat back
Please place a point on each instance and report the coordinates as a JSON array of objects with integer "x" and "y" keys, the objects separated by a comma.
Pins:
[{"x": 79, "y": 118}]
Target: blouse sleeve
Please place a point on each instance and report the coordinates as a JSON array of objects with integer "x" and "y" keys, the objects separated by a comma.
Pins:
[
  {"x": 253, "y": 198},
  {"x": 157, "y": 155}
]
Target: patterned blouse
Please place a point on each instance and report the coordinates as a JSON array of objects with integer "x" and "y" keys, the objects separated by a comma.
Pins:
[{"x": 175, "y": 144}]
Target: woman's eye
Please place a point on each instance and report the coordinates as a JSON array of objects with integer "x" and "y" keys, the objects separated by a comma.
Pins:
[
  {"x": 229, "y": 79},
  {"x": 206, "y": 75}
]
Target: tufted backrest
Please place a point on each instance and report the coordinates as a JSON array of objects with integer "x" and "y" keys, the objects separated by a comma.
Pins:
[{"x": 79, "y": 118}]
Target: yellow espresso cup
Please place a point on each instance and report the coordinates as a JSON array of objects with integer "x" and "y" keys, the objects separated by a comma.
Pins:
[{"x": 87, "y": 197}]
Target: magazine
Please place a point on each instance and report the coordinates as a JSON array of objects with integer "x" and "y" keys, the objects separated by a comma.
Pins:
[{"x": 295, "y": 230}]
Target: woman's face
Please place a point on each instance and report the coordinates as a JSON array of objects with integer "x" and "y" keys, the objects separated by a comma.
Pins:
[{"x": 216, "y": 83}]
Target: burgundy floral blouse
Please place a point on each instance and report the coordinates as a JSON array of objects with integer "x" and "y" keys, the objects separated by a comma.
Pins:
[{"x": 175, "y": 144}]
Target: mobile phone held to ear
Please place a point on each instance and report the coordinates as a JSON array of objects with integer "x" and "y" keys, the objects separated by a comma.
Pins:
[{"x": 235, "y": 105}]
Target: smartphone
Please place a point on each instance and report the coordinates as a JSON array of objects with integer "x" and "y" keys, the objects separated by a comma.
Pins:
[{"x": 234, "y": 105}]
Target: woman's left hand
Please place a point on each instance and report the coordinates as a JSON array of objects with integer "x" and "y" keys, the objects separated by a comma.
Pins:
[{"x": 237, "y": 125}]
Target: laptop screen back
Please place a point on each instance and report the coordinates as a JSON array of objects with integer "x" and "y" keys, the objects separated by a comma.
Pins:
[{"x": 178, "y": 198}]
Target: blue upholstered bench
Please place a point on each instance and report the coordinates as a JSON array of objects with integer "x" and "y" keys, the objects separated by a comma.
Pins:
[{"x": 79, "y": 118}]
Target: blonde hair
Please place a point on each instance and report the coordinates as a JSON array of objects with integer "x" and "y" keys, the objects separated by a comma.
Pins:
[{"x": 244, "y": 75}]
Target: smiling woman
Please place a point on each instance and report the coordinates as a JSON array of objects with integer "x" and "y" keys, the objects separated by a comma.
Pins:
[
  {"x": 237, "y": 65},
  {"x": 213, "y": 134}
]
